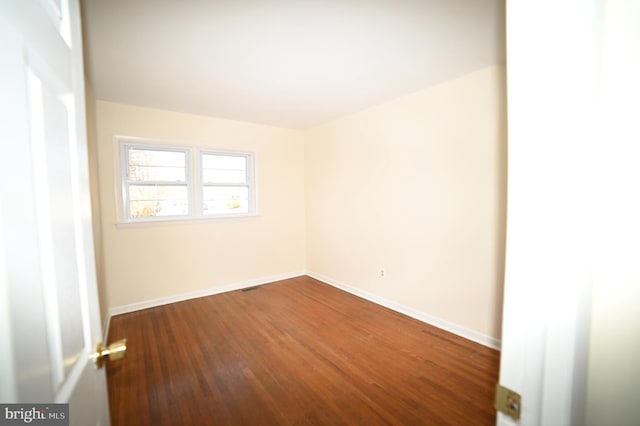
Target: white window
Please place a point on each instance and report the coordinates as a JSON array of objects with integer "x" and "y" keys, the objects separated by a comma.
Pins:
[
  {"x": 161, "y": 182},
  {"x": 226, "y": 183}
]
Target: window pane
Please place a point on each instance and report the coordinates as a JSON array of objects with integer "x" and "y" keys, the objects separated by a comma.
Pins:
[
  {"x": 154, "y": 157},
  {"x": 225, "y": 162},
  {"x": 223, "y": 176},
  {"x": 158, "y": 200},
  {"x": 224, "y": 169},
  {"x": 225, "y": 199},
  {"x": 157, "y": 165},
  {"x": 156, "y": 173}
]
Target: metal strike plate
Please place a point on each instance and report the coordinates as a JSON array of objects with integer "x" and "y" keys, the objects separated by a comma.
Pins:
[{"x": 508, "y": 402}]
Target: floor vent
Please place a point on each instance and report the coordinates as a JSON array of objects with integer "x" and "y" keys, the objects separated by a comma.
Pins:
[{"x": 250, "y": 288}]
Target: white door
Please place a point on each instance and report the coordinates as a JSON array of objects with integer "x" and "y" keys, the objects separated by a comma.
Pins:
[
  {"x": 571, "y": 319},
  {"x": 551, "y": 65},
  {"x": 49, "y": 322}
]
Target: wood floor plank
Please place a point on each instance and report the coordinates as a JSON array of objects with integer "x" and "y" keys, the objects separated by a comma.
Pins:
[{"x": 295, "y": 352}]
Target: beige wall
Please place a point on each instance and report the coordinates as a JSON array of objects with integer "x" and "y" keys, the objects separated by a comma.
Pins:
[
  {"x": 416, "y": 186},
  {"x": 147, "y": 262}
]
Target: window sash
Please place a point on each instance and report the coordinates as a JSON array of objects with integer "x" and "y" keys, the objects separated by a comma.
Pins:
[
  {"x": 228, "y": 206},
  {"x": 161, "y": 207}
]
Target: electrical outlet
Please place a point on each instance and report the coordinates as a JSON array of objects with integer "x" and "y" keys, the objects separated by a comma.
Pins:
[{"x": 382, "y": 272}]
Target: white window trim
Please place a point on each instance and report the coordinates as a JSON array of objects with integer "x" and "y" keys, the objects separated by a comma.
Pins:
[{"x": 193, "y": 178}]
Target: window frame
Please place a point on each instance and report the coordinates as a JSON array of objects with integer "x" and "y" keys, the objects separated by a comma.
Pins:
[{"x": 193, "y": 178}]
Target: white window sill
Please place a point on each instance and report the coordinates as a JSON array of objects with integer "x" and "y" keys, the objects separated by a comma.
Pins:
[{"x": 185, "y": 220}]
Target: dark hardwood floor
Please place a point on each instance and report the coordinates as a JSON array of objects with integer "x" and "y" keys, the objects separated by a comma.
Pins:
[{"x": 295, "y": 352}]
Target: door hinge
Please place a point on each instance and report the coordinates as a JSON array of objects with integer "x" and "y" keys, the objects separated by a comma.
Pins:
[{"x": 508, "y": 402}]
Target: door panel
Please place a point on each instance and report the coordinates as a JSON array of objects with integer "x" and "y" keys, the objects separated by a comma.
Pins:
[{"x": 54, "y": 207}]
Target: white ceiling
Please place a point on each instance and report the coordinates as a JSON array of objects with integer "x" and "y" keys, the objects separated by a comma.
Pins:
[{"x": 289, "y": 63}]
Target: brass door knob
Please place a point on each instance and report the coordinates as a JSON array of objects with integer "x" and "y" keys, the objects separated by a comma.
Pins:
[{"x": 114, "y": 351}]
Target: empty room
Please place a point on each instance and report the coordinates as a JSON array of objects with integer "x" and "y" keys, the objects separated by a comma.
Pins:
[
  {"x": 326, "y": 147},
  {"x": 289, "y": 212}
]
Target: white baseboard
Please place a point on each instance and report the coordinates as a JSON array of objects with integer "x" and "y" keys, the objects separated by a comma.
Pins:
[
  {"x": 194, "y": 295},
  {"x": 419, "y": 315}
]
